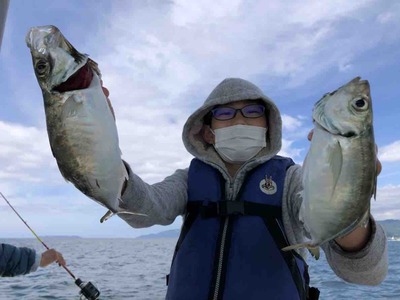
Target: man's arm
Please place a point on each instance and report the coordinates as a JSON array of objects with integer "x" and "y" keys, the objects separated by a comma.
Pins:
[
  {"x": 16, "y": 260},
  {"x": 367, "y": 265},
  {"x": 161, "y": 202}
]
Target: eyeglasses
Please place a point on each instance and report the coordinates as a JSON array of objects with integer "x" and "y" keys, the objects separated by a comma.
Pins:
[{"x": 224, "y": 113}]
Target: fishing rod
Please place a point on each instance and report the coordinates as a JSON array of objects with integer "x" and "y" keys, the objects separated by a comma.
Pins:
[{"x": 88, "y": 290}]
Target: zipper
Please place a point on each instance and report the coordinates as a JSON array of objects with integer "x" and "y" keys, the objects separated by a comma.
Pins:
[
  {"x": 229, "y": 196},
  {"x": 221, "y": 259}
]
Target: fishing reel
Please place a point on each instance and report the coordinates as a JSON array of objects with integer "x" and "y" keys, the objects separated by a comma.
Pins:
[{"x": 88, "y": 290}]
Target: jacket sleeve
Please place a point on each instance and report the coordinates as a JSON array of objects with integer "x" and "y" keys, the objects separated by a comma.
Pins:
[
  {"x": 367, "y": 266},
  {"x": 161, "y": 202},
  {"x": 16, "y": 260}
]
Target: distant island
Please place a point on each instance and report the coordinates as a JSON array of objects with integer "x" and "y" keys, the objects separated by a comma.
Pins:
[
  {"x": 61, "y": 236},
  {"x": 173, "y": 233},
  {"x": 43, "y": 237},
  {"x": 391, "y": 227}
]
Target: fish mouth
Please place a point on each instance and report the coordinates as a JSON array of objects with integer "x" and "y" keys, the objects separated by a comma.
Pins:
[
  {"x": 349, "y": 134},
  {"x": 319, "y": 126},
  {"x": 80, "y": 80}
]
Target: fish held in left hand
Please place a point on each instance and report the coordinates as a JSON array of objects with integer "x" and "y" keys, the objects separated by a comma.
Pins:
[
  {"x": 339, "y": 172},
  {"x": 80, "y": 120}
]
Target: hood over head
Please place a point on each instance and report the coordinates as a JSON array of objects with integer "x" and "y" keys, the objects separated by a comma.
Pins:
[{"x": 232, "y": 90}]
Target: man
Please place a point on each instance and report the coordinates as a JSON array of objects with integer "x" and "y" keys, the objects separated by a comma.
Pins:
[
  {"x": 240, "y": 203},
  {"x": 21, "y": 260}
]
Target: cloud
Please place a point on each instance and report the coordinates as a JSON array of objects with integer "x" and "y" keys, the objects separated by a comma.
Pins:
[
  {"x": 386, "y": 17},
  {"x": 293, "y": 131},
  {"x": 24, "y": 150},
  {"x": 29, "y": 176},
  {"x": 161, "y": 60},
  {"x": 153, "y": 147},
  {"x": 386, "y": 205},
  {"x": 171, "y": 63},
  {"x": 184, "y": 13},
  {"x": 289, "y": 151},
  {"x": 211, "y": 40},
  {"x": 390, "y": 153},
  {"x": 290, "y": 123}
]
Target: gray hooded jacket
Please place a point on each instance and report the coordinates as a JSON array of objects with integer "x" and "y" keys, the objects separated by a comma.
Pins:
[{"x": 166, "y": 200}]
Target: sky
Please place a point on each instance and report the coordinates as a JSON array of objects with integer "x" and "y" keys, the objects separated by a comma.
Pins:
[{"x": 160, "y": 60}]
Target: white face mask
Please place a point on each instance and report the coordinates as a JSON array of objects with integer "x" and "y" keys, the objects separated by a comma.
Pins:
[{"x": 237, "y": 144}]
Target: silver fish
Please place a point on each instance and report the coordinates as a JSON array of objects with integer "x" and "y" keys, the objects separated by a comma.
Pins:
[
  {"x": 3, "y": 16},
  {"x": 80, "y": 119},
  {"x": 339, "y": 172}
]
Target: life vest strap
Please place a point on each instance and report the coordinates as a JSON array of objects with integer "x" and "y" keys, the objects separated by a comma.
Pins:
[
  {"x": 209, "y": 209},
  {"x": 289, "y": 257}
]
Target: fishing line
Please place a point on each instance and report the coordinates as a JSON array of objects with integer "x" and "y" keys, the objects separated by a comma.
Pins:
[{"x": 88, "y": 290}]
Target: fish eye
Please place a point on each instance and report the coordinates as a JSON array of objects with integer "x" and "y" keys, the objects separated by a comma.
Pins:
[
  {"x": 360, "y": 104},
  {"x": 41, "y": 67}
]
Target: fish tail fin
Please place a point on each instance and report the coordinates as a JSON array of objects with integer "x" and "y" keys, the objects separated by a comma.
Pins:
[
  {"x": 110, "y": 214},
  {"x": 312, "y": 249}
]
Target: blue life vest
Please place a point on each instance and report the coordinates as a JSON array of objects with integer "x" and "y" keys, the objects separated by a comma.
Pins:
[{"x": 232, "y": 249}]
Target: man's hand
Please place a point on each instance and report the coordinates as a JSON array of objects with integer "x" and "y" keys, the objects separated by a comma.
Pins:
[
  {"x": 107, "y": 94},
  {"x": 105, "y": 90},
  {"x": 51, "y": 256}
]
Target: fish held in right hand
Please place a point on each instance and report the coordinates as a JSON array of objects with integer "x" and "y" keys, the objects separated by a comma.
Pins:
[{"x": 340, "y": 169}]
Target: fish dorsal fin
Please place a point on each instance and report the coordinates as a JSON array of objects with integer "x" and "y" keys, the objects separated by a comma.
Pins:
[
  {"x": 94, "y": 66},
  {"x": 79, "y": 57}
]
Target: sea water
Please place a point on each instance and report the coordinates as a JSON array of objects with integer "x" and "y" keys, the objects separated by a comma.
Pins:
[{"x": 136, "y": 269}]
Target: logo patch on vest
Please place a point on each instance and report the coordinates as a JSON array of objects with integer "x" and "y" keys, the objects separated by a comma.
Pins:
[{"x": 268, "y": 186}]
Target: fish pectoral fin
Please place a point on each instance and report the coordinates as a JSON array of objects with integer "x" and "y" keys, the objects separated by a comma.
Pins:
[
  {"x": 312, "y": 249},
  {"x": 335, "y": 162}
]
